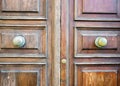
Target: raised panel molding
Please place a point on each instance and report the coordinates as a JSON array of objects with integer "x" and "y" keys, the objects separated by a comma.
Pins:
[
  {"x": 24, "y": 9},
  {"x": 97, "y": 10},
  {"x": 35, "y": 36},
  {"x": 84, "y": 42},
  {"x": 23, "y": 75},
  {"x": 97, "y": 75},
  {"x": 20, "y": 5},
  {"x": 31, "y": 38}
]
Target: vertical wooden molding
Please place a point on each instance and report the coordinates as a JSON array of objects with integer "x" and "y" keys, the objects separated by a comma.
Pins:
[
  {"x": 65, "y": 42},
  {"x": 56, "y": 44},
  {"x": 118, "y": 8}
]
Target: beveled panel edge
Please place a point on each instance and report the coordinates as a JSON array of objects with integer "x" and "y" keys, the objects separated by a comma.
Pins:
[
  {"x": 75, "y": 10},
  {"x": 22, "y": 18},
  {"x": 8, "y": 55},
  {"x": 115, "y": 71},
  {"x": 5, "y": 25},
  {"x": 24, "y": 71},
  {"x": 75, "y": 42},
  {"x": 96, "y": 55},
  {"x": 96, "y": 63},
  {"x": 75, "y": 75},
  {"x": 23, "y": 63},
  {"x": 118, "y": 9},
  {"x": 105, "y": 27},
  {"x": 96, "y": 19}
]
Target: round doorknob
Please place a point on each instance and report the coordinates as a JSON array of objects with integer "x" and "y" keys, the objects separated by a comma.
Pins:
[
  {"x": 101, "y": 42},
  {"x": 19, "y": 41},
  {"x": 63, "y": 61}
]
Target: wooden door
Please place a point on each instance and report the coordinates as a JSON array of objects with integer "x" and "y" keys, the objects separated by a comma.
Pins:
[
  {"x": 25, "y": 42},
  {"x": 84, "y": 62}
]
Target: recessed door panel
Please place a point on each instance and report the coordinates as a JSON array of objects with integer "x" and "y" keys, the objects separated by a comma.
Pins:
[
  {"x": 102, "y": 75},
  {"x": 102, "y": 10},
  {"x": 27, "y": 8},
  {"x": 21, "y": 5},
  {"x": 85, "y": 42},
  {"x": 23, "y": 75},
  {"x": 35, "y": 41}
]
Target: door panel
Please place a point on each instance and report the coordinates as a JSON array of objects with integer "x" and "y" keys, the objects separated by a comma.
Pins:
[
  {"x": 25, "y": 42},
  {"x": 83, "y": 25},
  {"x": 26, "y": 8},
  {"x": 104, "y": 10},
  {"x": 84, "y": 42},
  {"x": 96, "y": 75},
  {"x": 35, "y": 38},
  {"x": 23, "y": 75}
]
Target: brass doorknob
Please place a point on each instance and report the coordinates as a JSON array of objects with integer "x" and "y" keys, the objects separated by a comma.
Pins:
[
  {"x": 63, "y": 61},
  {"x": 19, "y": 41},
  {"x": 101, "y": 42}
]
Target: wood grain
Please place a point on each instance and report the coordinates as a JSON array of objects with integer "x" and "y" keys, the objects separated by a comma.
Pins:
[
  {"x": 27, "y": 8},
  {"x": 22, "y": 75},
  {"x": 21, "y": 5},
  {"x": 94, "y": 7},
  {"x": 103, "y": 10},
  {"x": 32, "y": 64},
  {"x": 56, "y": 43},
  {"x": 91, "y": 66}
]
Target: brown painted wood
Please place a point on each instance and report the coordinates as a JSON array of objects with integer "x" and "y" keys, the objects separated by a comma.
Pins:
[
  {"x": 39, "y": 61},
  {"x": 56, "y": 43},
  {"x": 31, "y": 5},
  {"x": 30, "y": 65},
  {"x": 89, "y": 65},
  {"x": 26, "y": 8},
  {"x": 64, "y": 43}
]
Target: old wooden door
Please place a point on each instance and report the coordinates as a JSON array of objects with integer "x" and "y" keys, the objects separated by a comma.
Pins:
[
  {"x": 90, "y": 43},
  {"x": 25, "y": 42}
]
